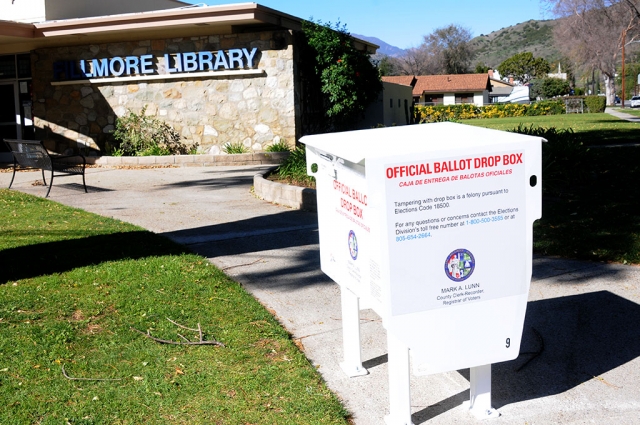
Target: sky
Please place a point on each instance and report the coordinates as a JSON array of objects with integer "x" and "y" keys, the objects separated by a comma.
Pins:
[{"x": 404, "y": 23}]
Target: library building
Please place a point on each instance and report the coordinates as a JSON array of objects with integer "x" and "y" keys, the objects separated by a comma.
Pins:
[{"x": 216, "y": 74}]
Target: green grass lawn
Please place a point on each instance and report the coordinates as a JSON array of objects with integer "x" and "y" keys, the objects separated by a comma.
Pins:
[
  {"x": 592, "y": 209},
  {"x": 73, "y": 284},
  {"x": 596, "y": 129}
]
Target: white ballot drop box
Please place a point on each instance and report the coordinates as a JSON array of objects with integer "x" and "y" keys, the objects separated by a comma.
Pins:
[{"x": 430, "y": 226}]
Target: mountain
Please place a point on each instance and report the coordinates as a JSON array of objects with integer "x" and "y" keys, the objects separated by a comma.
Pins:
[
  {"x": 385, "y": 48},
  {"x": 531, "y": 36},
  {"x": 492, "y": 49}
]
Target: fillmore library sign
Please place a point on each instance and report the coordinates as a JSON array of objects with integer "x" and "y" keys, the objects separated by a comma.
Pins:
[{"x": 149, "y": 65}]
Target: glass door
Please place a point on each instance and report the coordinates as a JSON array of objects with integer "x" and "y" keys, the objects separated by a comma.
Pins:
[{"x": 10, "y": 125}]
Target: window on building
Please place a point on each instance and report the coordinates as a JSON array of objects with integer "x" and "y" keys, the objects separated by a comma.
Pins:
[
  {"x": 434, "y": 99},
  {"x": 24, "y": 65},
  {"x": 390, "y": 103},
  {"x": 15, "y": 66},
  {"x": 399, "y": 103},
  {"x": 7, "y": 67},
  {"x": 406, "y": 111},
  {"x": 464, "y": 98}
]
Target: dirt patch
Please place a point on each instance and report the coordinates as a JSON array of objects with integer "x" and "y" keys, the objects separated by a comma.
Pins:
[
  {"x": 77, "y": 316},
  {"x": 93, "y": 328}
]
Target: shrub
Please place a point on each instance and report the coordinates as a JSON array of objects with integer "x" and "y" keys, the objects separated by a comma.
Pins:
[
  {"x": 441, "y": 113},
  {"x": 595, "y": 104},
  {"x": 234, "y": 148},
  {"x": 294, "y": 168},
  {"x": 503, "y": 110},
  {"x": 340, "y": 80},
  {"x": 425, "y": 114},
  {"x": 564, "y": 156},
  {"x": 546, "y": 107},
  {"x": 592, "y": 104},
  {"x": 279, "y": 146},
  {"x": 141, "y": 135}
]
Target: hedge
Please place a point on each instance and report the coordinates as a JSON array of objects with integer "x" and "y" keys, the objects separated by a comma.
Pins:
[
  {"x": 424, "y": 114},
  {"x": 593, "y": 104}
]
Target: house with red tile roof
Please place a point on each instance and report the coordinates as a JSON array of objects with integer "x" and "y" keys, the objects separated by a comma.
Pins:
[{"x": 447, "y": 89}]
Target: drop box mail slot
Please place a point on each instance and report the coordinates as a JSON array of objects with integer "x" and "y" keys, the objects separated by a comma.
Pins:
[{"x": 431, "y": 226}]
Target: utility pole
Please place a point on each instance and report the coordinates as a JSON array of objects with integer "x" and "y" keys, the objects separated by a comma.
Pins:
[{"x": 624, "y": 40}]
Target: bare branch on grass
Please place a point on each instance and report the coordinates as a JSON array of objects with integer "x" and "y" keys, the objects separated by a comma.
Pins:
[
  {"x": 183, "y": 327},
  {"x": 186, "y": 341}
]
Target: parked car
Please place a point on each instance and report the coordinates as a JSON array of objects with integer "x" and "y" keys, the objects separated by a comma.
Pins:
[{"x": 635, "y": 101}]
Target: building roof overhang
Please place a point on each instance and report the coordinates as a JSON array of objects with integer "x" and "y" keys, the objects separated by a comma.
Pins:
[
  {"x": 181, "y": 22},
  {"x": 15, "y": 31}
]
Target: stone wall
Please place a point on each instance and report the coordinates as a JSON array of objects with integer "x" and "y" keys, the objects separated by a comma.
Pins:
[{"x": 253, "y": 109}]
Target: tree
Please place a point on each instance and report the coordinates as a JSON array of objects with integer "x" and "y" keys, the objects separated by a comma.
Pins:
[
  {"x": 386, "y": 66},
  {"x": 482, "y": 68},
  {"x": 451, "y": 45},
  {"x": 631, "y": 79},
  {"x": 549, "y": 87},
  {"x": 347, "y": 80},
  {"x": 446, "y": 50},
  {"x": 418, "y": 61},
  {"x": 524, "y": 67},
  {"x": 594, "y": 31}
]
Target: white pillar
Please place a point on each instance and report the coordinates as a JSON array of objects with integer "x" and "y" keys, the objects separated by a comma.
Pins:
[
  {"x": 352, "y": 364},
  {"x": 480, "y": 393},
  {"x": 399, "y": 383}
]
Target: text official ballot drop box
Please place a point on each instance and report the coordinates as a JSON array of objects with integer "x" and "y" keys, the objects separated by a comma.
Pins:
[{"x": 430, "y": 226}]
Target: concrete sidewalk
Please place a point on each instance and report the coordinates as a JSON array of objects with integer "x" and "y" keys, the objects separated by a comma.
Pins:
[
  {"x": 622, "y": 115},
  {"x": 583, "y": 318}
]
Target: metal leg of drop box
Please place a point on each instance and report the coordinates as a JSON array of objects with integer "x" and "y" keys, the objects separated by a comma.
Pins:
[
  {"x": 399, "y": 383},
  {"x": 480, "y": 400},
  {"x": 352, "y": 364}
]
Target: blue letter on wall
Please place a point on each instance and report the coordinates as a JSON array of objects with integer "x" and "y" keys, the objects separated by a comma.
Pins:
[
  {"x": 100, "y": 67},
  {"x": 250, "y": 56},
  {"x": 235, "y": 57},
  {"x": 146, "y": 64}
]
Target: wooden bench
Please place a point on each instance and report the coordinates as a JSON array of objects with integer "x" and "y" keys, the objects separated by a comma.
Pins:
[{"x": 33, "y": 154}]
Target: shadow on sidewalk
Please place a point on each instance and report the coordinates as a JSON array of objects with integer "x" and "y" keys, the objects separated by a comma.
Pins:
[
  {"x": 219, "y": 180},
  {"x": 284, "y": 246},
  {"x": 568, "y": 341}
]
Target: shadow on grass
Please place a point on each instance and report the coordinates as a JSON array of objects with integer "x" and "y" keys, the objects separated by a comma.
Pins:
[
  {"x": 57, "y": 257},
  {"x": 581, "y": 337},
  {"x": 590, "y": 210},
  {"x": 585, "y": 228},
  {"x": 610, "y": 136}
]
